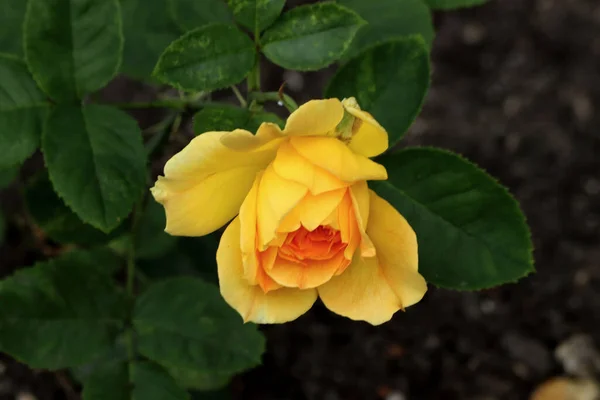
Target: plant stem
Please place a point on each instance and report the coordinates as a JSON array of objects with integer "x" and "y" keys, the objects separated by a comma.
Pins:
[
  {"x": 253, "y": 80},
  {"x": 239, "y": 96},
  {"x": 280, "y": 98},
  {"x": 167, "y": 103}
]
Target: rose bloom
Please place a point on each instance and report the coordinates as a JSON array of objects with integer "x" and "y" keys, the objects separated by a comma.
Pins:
[{"x": 305, "y": 223}]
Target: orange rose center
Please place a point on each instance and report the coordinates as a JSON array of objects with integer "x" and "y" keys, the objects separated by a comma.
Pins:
[{"x": 302, "y": 245}]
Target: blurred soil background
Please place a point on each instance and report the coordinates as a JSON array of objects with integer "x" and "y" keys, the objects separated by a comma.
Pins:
[{"x": 516, "y": 89}]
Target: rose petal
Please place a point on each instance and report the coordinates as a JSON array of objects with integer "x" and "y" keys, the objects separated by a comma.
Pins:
[
  {"x": 315, "y": 118},
  {"x": 314, "y": 274},
  {"x": 199, "y": 208},
  {"x": 206, "y": 182},
  {"x": 277, "y": 306},
  {"x": 373, "y": 289},
  {"x": 371, "y": 139},
  {"x": 276, "y": 198},
  {"x": 292, "y": 166},
  {"x": 359, "y": 192},
  {"x": 334, "y": 156},
  {"x": 312, "y": 211}
]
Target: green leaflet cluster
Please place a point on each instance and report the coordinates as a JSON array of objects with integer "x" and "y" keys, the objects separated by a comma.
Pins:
[{"x": 75, "y": 317}]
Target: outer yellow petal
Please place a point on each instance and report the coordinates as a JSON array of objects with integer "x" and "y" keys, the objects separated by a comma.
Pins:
[
  {"x": 397, "y": 250},
  {"x": 277, "y": 306},
  {"x": 348, "y": 227},
  {"x": 276, "y": 198},
  {"x": 251, "y": 259},
  {"x": 291, "y": 165},
  {"x": 242, "y": 140},
  {"x": 373, "y": 289},
  {"x": 315, "y": 118},
  {"x": 370, "y": 139},
  {"x": 361, "y": 293},
  {"x": 248, "y": 233},
  {"x": 212, "y": 152},
  {"x": 206, "y": 182},
  {"x": 359, "y": 193},
  {"x": 334, "y": 156},
  {"x": 199, "y": 208}
]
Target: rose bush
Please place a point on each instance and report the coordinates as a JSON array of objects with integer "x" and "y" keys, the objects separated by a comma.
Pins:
[{"x": 308, "y": 225}]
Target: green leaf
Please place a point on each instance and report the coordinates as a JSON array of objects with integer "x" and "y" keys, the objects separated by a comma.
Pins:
[
  {"x": 452, "y": 4},
  {"x": 151, "y": 240},
  {"x": 96, "y": 162},
  {"x": 22, "y": 108},
  {"x": 256, "y": 15},
  {"x": 227, "y": 118},
  {"x": 73, "y": 47},
  {"x": 470, "y": 230},
  {"x": 192, "y": 14},
  {"x": 208, "y": 58},
  {"x": 8, "y": 175},
  {"x": 193, "y": 256},
  {"x": 11, "y": 26},
  {"x": 57, "y": 220},
  {"x": 104, "y": 361},
  {"x": 62, "y": 312},
  {"x": 148, "y": 28},
  {"x": 220, "y": 118},
  {"x": 390, "y": 81},
  {"x": 388, "y": 20},
  {"x": 109, "y": 383},
  {"x": 200, "y": 380},
  {"x": 138, "y": 381},
  {"x": 311, "y": 37},
  {"x": 184, "y": 324}
]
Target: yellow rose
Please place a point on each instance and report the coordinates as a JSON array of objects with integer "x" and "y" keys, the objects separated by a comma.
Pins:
[{"x": 308, "y": 225}]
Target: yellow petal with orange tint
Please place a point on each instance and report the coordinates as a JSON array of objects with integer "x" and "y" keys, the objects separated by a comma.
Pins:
[
  {"x": 359, "y": 193},
  {"x": 312, "y": 211},
  {"x": 277, "y": 306},
  {"x": 345, "y": 217},
  {"x": 315, "y": 118},
  {"x": 315, "y": 273},
  {"x": 373, "y": 289},
  {"x": 335, "y": 157},
  {"x": 370, "y": 139},
  {"x": 199, "y": 208},
  {"x": 291, "y": 165},
  {"x": 276, "y": 198}
]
